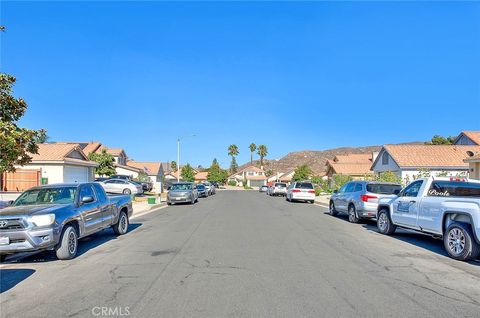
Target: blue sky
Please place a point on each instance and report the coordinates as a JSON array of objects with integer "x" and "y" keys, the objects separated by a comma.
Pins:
[{"x": 293, "y": 76}]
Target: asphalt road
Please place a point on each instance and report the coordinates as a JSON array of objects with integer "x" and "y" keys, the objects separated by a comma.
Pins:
[{"x": 243, "y": 254}]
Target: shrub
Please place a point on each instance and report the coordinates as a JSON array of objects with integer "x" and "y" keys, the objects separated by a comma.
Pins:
[{"x": 232, "y": 183}]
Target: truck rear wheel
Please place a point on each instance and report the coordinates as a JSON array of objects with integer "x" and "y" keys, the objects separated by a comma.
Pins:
[
  {"x": 121, "y": 227},
  {"x": 459, "y": 242},
  {"x": 68, "y": 245},
  {"x": 384, "y": 223}
]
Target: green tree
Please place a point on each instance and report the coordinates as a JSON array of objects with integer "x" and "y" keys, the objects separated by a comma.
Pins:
[
  {"x": 216, "y": 173},
  {"x": 233, "y": 152},
  {"x": 173, "y": 165},
  {"x": 16, "y": 143},
  {"x": 339, "y": 180},
  {"x": 142, "y": 177},
  {"x": 388, "y": 176},
  {"x": 303, "y": 172},
  {"x": 252, "y": 147},
  {"x": 233, "y": 165},
  {"x": 262, "y": 152},
  {"x": 269, "y": 173},
  {"x": 187, "y": 173},
  {"x": 42, "y": 137},
  {"x": 440, "y": 140},
  {"x": 105, "y": 163}
]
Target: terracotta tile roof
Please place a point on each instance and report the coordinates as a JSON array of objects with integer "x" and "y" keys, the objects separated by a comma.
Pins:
[
  {"x": 429, "y": 155},
  {"x": 473, "y": 135},
  {"x": 351, "y": 169},
  {"x": 112, "y": 151},
  {"x": 150, "y": 168},
  {"x": 91, "y": 147},
  {"x": 250, "y": 168},
  {"x": 354, "y": 158},
  {"x": 201, "y": 175},
  {"x": 56, "y": 151}
]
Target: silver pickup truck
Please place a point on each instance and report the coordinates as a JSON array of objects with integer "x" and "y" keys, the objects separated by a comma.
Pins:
[
  {"x": 54, "y": 217},
  {"x": 447, "y": 208}
]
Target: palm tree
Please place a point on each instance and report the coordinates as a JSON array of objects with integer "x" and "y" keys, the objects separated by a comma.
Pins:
[
  {"x": 233, "y": 150},
  {"x": 253, "y": 147},
  {"x": 262, "y": 152}
]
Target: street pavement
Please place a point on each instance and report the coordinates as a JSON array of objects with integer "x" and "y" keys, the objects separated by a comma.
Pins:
[{"x": 244, "y": 254}]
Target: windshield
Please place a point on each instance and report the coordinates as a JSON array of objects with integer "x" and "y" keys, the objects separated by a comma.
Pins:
[
  {"x": 201, "y": 187},
  {"x": 304, "y": 185},
  {"x": 64, "y": 195},
  {"x": 383, "y": 188},
  {"x": 181, "y": 186},
  {"x": 281, "y": 185}
]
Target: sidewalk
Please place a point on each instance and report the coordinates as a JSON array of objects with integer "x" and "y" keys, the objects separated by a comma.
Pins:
[
  {"x": 140, "y": 207},
  {"x": 323, "y": 200}
]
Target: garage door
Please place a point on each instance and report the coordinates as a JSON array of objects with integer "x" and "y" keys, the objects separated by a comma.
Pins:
[
  {"x": 256, "y": 183},
  {"x": 75, "y": 174}
]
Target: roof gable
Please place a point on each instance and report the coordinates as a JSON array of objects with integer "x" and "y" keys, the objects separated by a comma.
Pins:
[{"x": 473, "y": 135}]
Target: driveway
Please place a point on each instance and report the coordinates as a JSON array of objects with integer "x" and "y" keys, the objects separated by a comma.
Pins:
[{"x": 244, "y": 254}]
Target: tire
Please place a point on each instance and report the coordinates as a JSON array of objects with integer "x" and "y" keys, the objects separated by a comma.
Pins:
[
  {"x": 459, "y": 242},
  {"x": 192, "y": 201},
  {"x": 127, "y": 191},
  {"x": 121, "y": 227},
  {"x": 2, "y": 258},
  {"x": 332, "y": 210},
  {"x": 67, "y": 247},
  {"x": 352, "y": 214},
  {"x": 312, "y": 201},
  {"x": 169, "y": 203},
  {"x": 384, "y": 223}
]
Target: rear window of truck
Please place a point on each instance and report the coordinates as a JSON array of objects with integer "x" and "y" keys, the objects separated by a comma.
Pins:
[
  {"x": 379, "y": 188},
  {"x": 454, "y": 189}
]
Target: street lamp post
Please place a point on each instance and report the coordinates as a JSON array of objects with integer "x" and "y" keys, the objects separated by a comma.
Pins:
[{"x": 178, "y": 156}]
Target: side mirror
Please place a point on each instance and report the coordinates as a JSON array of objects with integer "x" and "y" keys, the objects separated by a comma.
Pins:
[
  {"x": 87, "y": 199},
  {"x": 9, "y": 203},
  {"x": 396, "y": 192},
  {"x": 335, "y": 191}
]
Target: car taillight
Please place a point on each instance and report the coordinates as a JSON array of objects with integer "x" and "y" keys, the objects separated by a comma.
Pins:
[
  {"x": 311, "y": 191},
  {"x": 365, "y": 197},
  {"x": 295, "y": 190}
]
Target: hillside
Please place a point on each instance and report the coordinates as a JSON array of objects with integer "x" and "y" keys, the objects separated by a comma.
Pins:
[{"x": 314, "y": 158}]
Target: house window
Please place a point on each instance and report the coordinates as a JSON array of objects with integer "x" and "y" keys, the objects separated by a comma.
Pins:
[
  {"x": 250, "y": 173},
  {"x": 385, "y": 158}
]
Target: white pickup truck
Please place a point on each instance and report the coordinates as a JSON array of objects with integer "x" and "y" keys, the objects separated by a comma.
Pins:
[{"x": 442, "y": 207}]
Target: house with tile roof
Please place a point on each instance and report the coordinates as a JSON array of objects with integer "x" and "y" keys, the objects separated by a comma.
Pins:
[
  {"x": 251, "y": 176},
  {"x": 54, "y": 163},
  {"x": 468, "y": 137},
  {"x": 358, "y": 166},
  {"x": 153, "y": 169},
  {"x": 407, "y": 161},
  {"x": 201, "y": 176}
]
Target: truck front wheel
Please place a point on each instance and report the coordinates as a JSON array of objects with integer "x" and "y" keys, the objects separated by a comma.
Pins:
[
  {"x": 121, "y": 227},
  {"x": 384, "y": 223},
  {"x": 460, "y": 243},
  {"x": 68, "y": 245}
]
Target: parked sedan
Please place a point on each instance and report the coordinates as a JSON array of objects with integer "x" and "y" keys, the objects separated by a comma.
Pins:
[
  {"x": 202, "y": 191},
  {"x": 122, "y": 186},
  {"x": 359, "y": 199},
  {"x": 263, "y": 188},
  {"x": 182, "y": 192},
  {"x": 301, "y": 191}
]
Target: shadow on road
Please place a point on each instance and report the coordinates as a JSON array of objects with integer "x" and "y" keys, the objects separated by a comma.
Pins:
[
  {"x": 84, "y": 245},
  {"x": 9, "y": 278}
]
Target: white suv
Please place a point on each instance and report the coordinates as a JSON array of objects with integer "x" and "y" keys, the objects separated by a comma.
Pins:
[{"x": 301, "y": 191}]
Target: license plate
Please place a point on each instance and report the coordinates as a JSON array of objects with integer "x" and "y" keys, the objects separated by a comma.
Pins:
[
  {"x": 178, "y": 199},
  {"x": 4, "y": 240}
]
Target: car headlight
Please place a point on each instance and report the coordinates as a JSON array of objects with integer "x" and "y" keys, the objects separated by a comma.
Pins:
[{"x": 42, "y": 220}]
